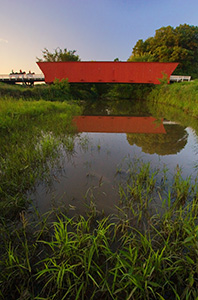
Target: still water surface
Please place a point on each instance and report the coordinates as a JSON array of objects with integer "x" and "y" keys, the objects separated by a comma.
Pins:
[{"x": 110, "y": 137}]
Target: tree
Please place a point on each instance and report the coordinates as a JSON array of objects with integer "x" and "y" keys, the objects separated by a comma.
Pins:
[
  {"x": 143, "y": 57},
  {"x": 170, "y": 44},
  {"x": 59, "y": 55}
]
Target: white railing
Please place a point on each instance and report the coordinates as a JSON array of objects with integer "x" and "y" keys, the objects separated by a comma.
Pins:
[{"x": 179, "y": 78}]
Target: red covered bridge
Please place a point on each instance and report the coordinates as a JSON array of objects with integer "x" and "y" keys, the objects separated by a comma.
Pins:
[{"x": 108, "y": 72}]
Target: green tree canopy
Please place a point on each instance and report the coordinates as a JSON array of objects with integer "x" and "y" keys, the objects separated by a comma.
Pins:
[
  {"x": 59, "y": 55},
  {"x": 170, "y": 44}
]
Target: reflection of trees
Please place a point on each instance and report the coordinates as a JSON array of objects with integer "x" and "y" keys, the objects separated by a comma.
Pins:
[
  {"x": 116, "y": 107},
  {"x": 162, "y": 144}
]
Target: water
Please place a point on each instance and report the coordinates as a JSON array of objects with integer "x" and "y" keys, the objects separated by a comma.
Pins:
[{"x": 112, "y": 135}]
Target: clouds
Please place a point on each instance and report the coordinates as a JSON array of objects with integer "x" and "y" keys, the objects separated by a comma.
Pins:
[{"x": 3, "y": 41}]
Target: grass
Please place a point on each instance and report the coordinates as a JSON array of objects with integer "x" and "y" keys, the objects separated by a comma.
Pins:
[
  {"x": 59, "y": 91},
  {"x": 56, "y": 92},
  {"x": 137, "y": 253},
  {"x": 65, "y": 91},
  {"x": 29, "y": 145},
  {"x": 179, "y": 95}
]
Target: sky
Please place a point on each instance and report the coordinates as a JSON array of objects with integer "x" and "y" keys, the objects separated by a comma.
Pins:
[{"x": 100, "y": 30}]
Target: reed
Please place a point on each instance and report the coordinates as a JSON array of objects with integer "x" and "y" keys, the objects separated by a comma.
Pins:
[
  {"x": 182, "y": 95},
  {"x": 30, "y": 145},
  {"x": 139, "y": 253}
]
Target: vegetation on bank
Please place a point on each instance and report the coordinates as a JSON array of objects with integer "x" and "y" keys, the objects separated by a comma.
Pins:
[
  {"x": 59, "y": 91},
  {"x": 31, "y": 133},
  {"x": 65, "y": 91},
  {"x": 183, "y": 95},
  {"x": 142, "y": 252}
]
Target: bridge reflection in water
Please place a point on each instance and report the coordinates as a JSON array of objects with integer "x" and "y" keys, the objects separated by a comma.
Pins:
[{"x": 119, "y": 124}]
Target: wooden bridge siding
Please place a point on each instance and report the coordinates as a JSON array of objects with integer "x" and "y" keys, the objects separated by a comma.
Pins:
[{"x": 120, "y": 72}]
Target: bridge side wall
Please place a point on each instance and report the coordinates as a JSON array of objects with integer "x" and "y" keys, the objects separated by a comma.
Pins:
[{"x": 120, "y": 72}]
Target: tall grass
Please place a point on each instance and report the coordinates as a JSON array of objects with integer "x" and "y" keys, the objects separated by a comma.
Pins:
[
  {"x": 139, "y": 253},
  {"x": 32, "y": 133},
  {"x": 65, "y": 91},
  {"x": 107, "y": 257},
  {"x": 182, "y": 95},
  {"x": 58, "y": 91}
]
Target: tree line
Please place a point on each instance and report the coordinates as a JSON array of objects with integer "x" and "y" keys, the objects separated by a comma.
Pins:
[{"x": 170, "y": 44}]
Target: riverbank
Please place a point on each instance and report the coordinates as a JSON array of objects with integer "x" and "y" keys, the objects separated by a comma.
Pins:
[
  {"x": 65, "y": 91},
  {"x": 137, "y": 253},
  {"x": 31, "y": 133},
  {"x": 183, "y": 95}
]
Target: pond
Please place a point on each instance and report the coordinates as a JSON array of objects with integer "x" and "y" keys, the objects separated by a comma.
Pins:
[{"x": 112, "y": 136}]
